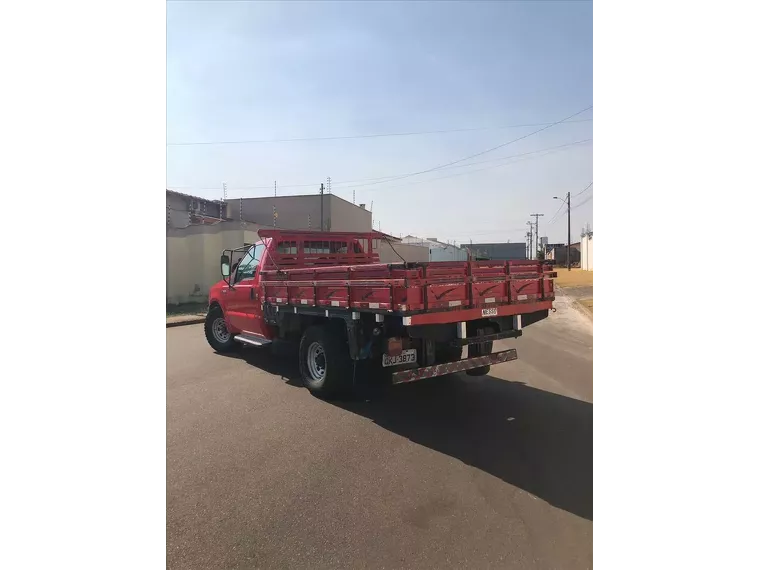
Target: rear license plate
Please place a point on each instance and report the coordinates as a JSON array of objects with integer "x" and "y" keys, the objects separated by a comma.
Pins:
[
  {"x": 489, "y": 312},
  {"x": 405, "y": 357}
]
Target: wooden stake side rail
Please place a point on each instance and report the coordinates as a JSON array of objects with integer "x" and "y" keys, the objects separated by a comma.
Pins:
[{"x": 438, "y": 286}]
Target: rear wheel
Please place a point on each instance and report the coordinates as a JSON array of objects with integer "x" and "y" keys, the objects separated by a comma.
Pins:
[
  {"x": 481, "y": 349},
  {"x": 324, "y": 361},
  {"x": 217, "y": 334}
]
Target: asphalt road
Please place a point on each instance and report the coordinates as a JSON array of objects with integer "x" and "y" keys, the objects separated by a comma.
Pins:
[{"x": 488, "y": 472}]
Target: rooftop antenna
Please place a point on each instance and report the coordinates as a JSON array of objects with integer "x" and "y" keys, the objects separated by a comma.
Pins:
[
  {"x": 224, "y": 195},
  {"x": 354, "y": 195},
  {"x": 275, "y": 188},
  {"x": 329, "y": 185}
]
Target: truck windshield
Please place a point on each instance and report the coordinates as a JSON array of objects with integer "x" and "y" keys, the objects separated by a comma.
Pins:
[{"x": 248, "y": 264}]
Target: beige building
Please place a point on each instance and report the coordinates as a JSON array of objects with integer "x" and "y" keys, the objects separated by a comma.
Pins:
[
  {"x": 192, "y": 257},
  {"x": 195, "y": 242},
  {"x": 302, "y": 212}
]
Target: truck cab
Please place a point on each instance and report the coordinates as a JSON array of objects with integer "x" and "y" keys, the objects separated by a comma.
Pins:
[{"x": 235, "y": 300}]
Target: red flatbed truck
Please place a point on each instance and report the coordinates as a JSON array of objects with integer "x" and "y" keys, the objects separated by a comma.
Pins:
[{"x": 329, "y": 292}]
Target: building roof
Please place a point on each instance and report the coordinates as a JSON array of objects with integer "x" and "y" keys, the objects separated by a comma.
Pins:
[
  {"x": 388, "y": 236},
  {"x": 299, "y": 196},
  {"x": 193, "y": 197},
  {"x": 430, "y": 242}
]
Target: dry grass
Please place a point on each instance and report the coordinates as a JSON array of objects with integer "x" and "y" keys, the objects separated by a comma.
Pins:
[{"x": 573, "y": 278}]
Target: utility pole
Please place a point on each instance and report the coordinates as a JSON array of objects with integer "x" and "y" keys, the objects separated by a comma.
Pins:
[
  {"x": 275, "y": 188},
  {"x": 569, "y": 232},
  {"x": 537, "y": 236},
  {"x": 321, "y": 193},
  {"x": 224, "y": 202},
  {"x": 529, "y": 236},
  {"x": 569, "y": 226}
]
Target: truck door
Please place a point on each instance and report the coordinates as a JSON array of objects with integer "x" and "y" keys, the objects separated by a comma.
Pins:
[{"x": 244, "y": 311}]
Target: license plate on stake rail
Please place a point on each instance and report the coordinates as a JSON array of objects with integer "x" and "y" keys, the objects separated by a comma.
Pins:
[
  {"x": 490, "y": 312},
  {"x": 405, "y": 357}
]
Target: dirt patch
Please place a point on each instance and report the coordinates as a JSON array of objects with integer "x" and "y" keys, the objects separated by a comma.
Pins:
[
  {"x": 577, "y": 285},
  {"x": 573, "y": 278}
]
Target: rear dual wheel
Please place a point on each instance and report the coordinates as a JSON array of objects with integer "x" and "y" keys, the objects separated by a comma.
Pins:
[{"x": 325, "y": 365}]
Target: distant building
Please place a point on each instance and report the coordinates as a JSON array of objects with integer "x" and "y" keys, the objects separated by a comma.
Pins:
[
  {"x": 439, "y": 251},
  {"x": 184, "y": 210},
  {"x": 499, "y": 251},
  {"x": 558, "y": 253},
  {"x": 302, "y": 212}
]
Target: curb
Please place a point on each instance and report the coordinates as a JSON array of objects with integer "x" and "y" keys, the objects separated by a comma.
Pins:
[
  {"x": 194, "y": 321},
  {"x": 577, "y": 305}
]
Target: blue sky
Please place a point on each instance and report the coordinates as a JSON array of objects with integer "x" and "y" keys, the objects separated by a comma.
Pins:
[{"x": 265, "y": 70}]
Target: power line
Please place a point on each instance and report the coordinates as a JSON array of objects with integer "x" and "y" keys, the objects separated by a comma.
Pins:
[
  {"x": 546, "y": 151},
  {"x": 588, "y": 199},
  {"x": 345, "y": 182},
  {"x": 369, "y": 136},
  {"x": 555, "y": 216},
  {"x": 583, "y": 190},
  {"x": 489, "y": 232},
  {"x": 564, "y": 201},
  {"x": 482, "y": 152}
]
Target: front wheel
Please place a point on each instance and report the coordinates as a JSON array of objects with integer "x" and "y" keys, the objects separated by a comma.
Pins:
[{"x": 217, "y": 334}]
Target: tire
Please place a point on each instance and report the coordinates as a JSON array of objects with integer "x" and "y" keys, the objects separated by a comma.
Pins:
[
  {"x": 325, "y": 365},
  {"x": 215, "y": 328},
  {"x": 480, "y": 350}
]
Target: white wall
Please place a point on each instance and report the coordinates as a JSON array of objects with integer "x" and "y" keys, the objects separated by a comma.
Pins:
[
  {"x": 448, "y": 254},
  {"x": 408, "y": 252},
  {"x": 586, "y": 253}
]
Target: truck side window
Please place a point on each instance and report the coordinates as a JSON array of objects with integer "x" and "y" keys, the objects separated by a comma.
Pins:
[{"x": 249, "y": 263}]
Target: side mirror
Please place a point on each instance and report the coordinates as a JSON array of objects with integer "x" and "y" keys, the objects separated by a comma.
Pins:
[{"x": 225, "y": 266}]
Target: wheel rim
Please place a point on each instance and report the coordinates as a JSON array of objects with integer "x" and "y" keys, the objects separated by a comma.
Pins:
[
  {"x": 219, "y": 329},
  {"x": 316, "y": 361}
]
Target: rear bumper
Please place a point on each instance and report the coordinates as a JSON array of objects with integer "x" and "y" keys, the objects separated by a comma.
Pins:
[{"x": 404, "y": 376}]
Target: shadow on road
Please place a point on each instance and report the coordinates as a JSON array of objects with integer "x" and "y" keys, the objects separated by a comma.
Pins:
[
  {"x": 536, "y": 440},
  {"x": 281, "y": 360}
]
